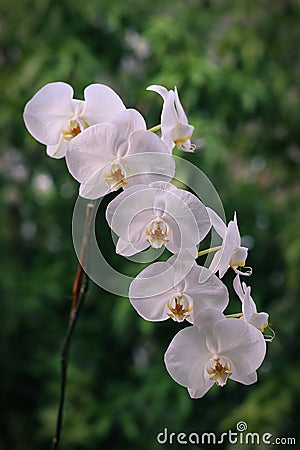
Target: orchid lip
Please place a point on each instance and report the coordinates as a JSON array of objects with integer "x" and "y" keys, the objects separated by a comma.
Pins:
[
  {"x": 179, "y": 307},
  {"x": 219, "y": 369},
  {"x": 73, "y": 131},
  {"x": 241, "y": 269},
  {"x": 157, "y": 233},
  {"x": 116, "y": 177}
]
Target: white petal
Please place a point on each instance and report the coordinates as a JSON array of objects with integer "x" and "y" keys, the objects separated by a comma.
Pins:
[
  {"x": 91, "y": 150},
  {"x": 95, "y": 187},
  {"x": 161, "y": 90},
  {"x": 206, "y": 290},
  {"x": 244, "y": 379},
  {"x": 259, "y": 320},
  {"x": 149, "y": 158},
  {"x": 217, "y": 222},
  {"x": 127, "y": 122},
  {"x": 49, "y": 112},
  {"x": 151, "y": 290},
  {"x": 239, "y": 256},
  {"x": 241, "y": 343},
  {"x": 181, "y": 113},
  {"x": 186, "y": 358},
  {"x": 238, "y": 288},
  {"x": 169, "y": 116},
  {"x": 200, "y": 392},
  {"x": 249, "y": 307},
  {"x": 227, "y": 249},
  {"x": 143, "y": 141},
  {"x": 59, "y": 150},
  {"x": 145, "y": 168},
  {"x": 101, "y": 104},
  {"x": 189, "y": 213},
  {"x": 236, "y": 233},
  {"x": 208, "y": 318},
  {"x": 126, "y": 248},
  {"x": 215, "y": 262},
  {"x": 134, "y": 203},
  {"x": 182, "y": 133}
]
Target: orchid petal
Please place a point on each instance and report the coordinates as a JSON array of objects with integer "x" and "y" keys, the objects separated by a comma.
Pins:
[
  {"x": 181, "y": 113},
  {"x": 95, "y": 187},
  {"x": 238, "y": 287},
  {"x": 244, "y": 379},
  {"x": 200, "y": 392},
  {"x": 147, "y": 167},
  {"x": 127, "y": 122},
  {"x": 186, "y": 358},
  {"x": 241, "y": 343},
  {"x": 126, "y": 248},
  {"x": 151, "y": 290},
  {"x": 228, "y": 247},
  {"x": 101, "y": 104},
  {"x": 217, "y": 222},
  {"x": 161, "y": 90},
  {"x": 91, "y": 150},
  {"x": 208, "y": 318},
  {"x": 49, "y": 112},
  {"x": 206, "y": 290},
  {"x": 59, "y": 150},
  {"x": 134, "y": 202}
]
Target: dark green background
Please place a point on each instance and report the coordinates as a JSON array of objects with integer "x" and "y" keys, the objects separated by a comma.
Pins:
[{"x": 236, "y": 65}]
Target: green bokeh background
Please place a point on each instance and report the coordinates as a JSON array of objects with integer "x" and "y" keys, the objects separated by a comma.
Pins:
[{"x": 236, "y": 65}]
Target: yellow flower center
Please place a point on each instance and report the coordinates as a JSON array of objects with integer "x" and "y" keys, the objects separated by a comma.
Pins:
[
  {"x": 219, "y": 368},
  {"x": 116, "y": 177},
  {"x": 179, "y": 307},
  {"x": 157, "y": 233},
  {"x": 73, "y": 131}
]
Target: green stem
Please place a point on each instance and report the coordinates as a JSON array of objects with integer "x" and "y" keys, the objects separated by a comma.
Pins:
[
  {"x": 156, "y": 128},
  {"x": 233, "y": 315},
  {"x": 209, "y": 250}
]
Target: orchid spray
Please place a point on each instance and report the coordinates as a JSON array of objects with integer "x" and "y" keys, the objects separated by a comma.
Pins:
[{"x": 108, "y": 147}]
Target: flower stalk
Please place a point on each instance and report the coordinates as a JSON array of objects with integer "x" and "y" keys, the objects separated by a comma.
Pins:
[
  {"x": 209, "y": 250},
  {"x": 79, "y": 291}
]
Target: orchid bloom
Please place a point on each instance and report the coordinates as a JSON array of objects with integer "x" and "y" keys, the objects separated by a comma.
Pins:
[
  {"x": 213, "y": 350},
  {"x": 122, "y": 153},
  {"x": 157, "y": 215},
  {"x": 231, "y": 254},
  {"x": 249, "y": 310},
  {"x": 53, "y": 117},
  {"x": 176, "y": 289},
  {"x": 174, "y": 123}
]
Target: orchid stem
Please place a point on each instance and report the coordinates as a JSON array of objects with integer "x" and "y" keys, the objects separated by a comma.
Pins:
[
  {"x": 228, "y": 316},
  {"x": 156, "y": 128},
  {"x": 79, "y": 291},
  {"x": 209, "y": 250}
]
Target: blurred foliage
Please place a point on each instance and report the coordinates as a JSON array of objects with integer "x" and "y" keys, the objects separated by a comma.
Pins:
[{"x": 236, "y": 65}]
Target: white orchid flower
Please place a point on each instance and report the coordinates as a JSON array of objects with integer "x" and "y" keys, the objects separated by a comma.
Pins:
[
  {"x": 249, "y": 310},
  {"x": 176, "y": 289},
  {"x": 213, "y": 350},
  {"x": 157, "y": 215},
  {"x": 232, "y": 253},
  {"x": 174, "y": 123},
  {"x": 53, "y": 117},
  {"x": 122, "y": 153}
]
